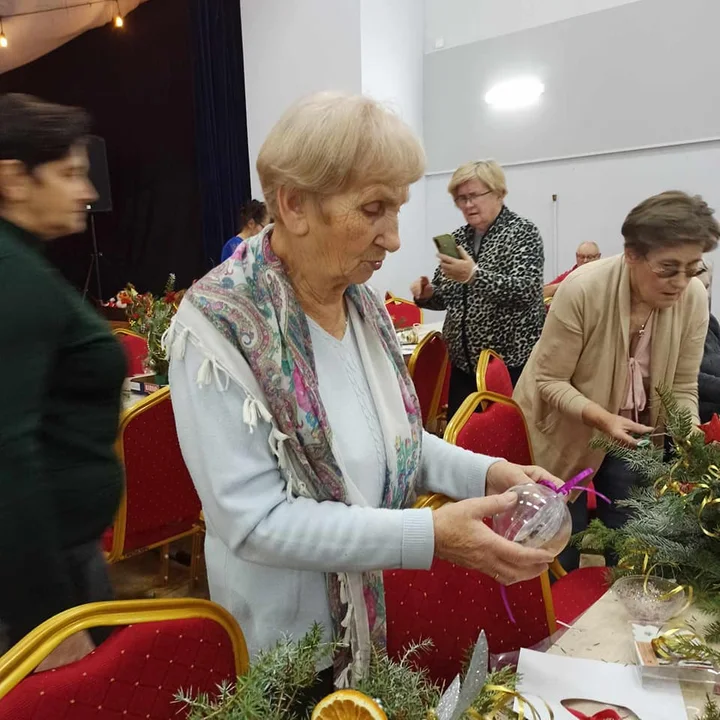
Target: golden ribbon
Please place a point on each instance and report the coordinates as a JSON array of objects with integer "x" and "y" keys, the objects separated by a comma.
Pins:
[
  {"x": 505, "y": 695},
  {"x": 673, "y": 644},
  {"x": 667, "y": 483},
  {"x": 713, "y": 474},
  {"x": 647, "y": 568}
]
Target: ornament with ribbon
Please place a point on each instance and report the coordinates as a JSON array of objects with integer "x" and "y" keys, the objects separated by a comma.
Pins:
[{"x": 540, "y": 518}]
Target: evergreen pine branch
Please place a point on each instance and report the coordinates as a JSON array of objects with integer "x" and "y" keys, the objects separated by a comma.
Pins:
[
  {"x": 712, "y": 632},
  {"x": 487, "y": 701},
  {"x": 648, "y": 462},
  {"x": 678, "y": 420},
  {"x": 404, "y": 692},
  {"x": 710, "y": 711}
]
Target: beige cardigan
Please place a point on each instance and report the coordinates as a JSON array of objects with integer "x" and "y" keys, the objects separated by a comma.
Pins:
[{"x": 582, "y": 356}]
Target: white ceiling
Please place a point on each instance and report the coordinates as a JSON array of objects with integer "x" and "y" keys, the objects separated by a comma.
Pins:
[{"x": 31, "y": 36}]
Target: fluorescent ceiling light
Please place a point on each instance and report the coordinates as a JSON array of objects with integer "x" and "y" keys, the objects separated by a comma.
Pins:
[{"x": 517, "y": 93}]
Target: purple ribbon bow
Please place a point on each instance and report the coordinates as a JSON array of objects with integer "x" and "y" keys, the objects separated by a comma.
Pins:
[{"x": 566, "y": 489}]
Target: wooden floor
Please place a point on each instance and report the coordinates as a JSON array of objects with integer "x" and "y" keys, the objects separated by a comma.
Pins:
[{"x": 140, "y": 576}]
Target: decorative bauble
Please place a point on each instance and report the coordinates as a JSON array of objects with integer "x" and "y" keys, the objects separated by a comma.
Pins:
[{"x": 539, "y": 519}]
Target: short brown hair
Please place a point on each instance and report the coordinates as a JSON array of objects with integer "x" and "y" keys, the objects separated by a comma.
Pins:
[{"x": 670, "y": 219}]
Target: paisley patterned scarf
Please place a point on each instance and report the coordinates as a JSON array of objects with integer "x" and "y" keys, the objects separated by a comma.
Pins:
[{"x": 250, "y": 301}]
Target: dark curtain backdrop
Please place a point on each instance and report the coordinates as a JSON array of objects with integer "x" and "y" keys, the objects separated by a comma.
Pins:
[
  {"x": 140, "y": 86},
  {"x": 221, "y": 125}
]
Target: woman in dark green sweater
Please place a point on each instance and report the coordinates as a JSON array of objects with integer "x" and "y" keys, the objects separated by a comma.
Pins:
[{"x": 62, "y": 371}]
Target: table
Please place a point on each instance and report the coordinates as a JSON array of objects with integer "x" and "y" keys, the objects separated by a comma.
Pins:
[
  {"x": 422, "y": 331},
  {"x": 130, "y": 399},
  {"x": 602, "y": 633}
]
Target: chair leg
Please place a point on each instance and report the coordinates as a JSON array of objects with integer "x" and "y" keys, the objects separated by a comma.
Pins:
[
  {"x": 165, "y": 563},
  {"x": 197, "y": 548},
  {"x": 557, "y": 569}
]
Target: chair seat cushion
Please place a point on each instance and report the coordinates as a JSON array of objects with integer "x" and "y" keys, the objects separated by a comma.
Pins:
[
  {"x": 577, "y": 591},
  {"x": 134, "y": 675}
]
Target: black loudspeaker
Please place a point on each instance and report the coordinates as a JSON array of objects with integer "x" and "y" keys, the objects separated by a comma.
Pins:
[{"x": 99, "y": 174}]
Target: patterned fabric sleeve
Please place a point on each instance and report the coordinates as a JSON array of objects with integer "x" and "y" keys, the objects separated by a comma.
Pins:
[{"x": 523, "y": 281}]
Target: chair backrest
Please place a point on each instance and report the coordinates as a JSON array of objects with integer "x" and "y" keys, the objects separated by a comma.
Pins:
[
  {"x": 160, "y": 503},
  {"x": 492, "y": 374},
  {"x": 428, "y": 366},
  {"x": 499, "y": 430},
  {"x": 163, "y": 646},
  {"x": 450, "y": 605},
  {"x": 403, "y": 313},
  {"x": 136, "y": 350}
]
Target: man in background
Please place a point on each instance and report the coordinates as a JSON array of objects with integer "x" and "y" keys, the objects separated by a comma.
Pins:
[{"x": 586, "y": 252}]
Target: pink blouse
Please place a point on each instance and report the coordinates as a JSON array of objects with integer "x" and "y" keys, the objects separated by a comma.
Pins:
[{"x": 638, "y": 381}]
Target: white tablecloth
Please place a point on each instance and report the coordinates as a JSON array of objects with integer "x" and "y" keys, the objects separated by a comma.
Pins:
[
  {"x": 422, "y": 331},
  {"x": 603, "y": 633}
]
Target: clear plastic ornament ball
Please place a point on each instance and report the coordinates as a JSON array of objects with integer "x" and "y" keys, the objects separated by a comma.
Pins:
[{"x": 539, "y": 519}]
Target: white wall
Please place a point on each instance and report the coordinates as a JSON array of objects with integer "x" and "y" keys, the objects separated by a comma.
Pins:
[
  {"x": 292, "y": 48},
  {"x": 457, "y": 22},
  {"x": 651, "y": 89},
  {"x": 392, "y": 72}
]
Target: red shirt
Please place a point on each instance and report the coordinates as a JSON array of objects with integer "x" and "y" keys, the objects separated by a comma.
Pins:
[{"x": 560, "y": 278}]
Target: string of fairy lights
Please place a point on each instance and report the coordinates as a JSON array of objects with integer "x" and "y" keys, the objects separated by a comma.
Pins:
[{"x": 118, "y": 19}]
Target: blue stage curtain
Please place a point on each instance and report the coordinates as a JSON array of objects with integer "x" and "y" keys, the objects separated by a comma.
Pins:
[{"x": 221, "y": 123}]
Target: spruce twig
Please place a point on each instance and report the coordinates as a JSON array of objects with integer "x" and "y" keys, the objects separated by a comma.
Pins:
[{"x": 710, "y": 711}]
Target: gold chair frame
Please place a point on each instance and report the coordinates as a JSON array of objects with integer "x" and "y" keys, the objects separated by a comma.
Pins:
[
  {"x": 120, "y": 523},
  {"x": 434, "y": 410},
  {"x": 26, "y": 655},
  {"x": 482, "y": 366}
]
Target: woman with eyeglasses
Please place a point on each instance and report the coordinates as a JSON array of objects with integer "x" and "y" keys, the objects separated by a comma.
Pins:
[
  {"x": 617, "y": 330},
  {"x": 493, "y": 291}
]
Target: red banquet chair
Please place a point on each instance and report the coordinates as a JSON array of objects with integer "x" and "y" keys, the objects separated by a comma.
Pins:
[
  {"x": 136, "y": 350},
  {"x": 160, "y": 503},
  {"x": 428, "y": 367},
  {"x": 450, "y": 605},
  {"x": 492, "y": 374},
  {"x": 161, "y": 646},
  {"x": 500, "y": 430},
  {"x": 403, "y": 313}
]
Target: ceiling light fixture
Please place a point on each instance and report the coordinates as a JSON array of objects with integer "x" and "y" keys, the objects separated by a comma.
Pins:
[
  {"x": 513, "y": 94},
  {"x": 3, "y": 39}
]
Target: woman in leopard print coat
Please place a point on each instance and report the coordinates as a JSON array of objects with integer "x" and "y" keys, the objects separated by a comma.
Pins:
[{"x": 493, "y": 293}]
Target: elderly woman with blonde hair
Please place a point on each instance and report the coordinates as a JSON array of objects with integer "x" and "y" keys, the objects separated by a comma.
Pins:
[
  {"x": 493, "y": 290},
  {"x": 296, "y": 415}
]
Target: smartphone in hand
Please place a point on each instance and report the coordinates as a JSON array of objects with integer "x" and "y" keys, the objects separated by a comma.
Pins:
[{"x": 446, "y": 246}]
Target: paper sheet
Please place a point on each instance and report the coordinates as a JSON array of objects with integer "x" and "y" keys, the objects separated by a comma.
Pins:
[{"x": 555, "y": 678}]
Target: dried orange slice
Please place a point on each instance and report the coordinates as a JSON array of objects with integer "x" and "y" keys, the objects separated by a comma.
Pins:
[{"x": 348, "y": 705}]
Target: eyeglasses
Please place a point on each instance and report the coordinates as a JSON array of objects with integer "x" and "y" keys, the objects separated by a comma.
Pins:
[
  {"x": 670, "y": 271},
  {"x": 471, "y": 198},
  {"x": 586, "y": 258}
]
